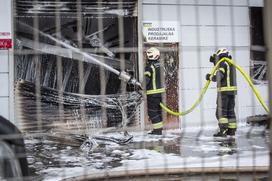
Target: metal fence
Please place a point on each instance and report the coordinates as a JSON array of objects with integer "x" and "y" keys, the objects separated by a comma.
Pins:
[{"x": 80, "y": 91}]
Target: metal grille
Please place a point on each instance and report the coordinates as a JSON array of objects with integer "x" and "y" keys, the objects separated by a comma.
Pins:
[{"x": 81, "y": 113}]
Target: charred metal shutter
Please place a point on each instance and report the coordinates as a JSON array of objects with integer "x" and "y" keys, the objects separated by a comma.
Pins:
[{"x": 91, "y": 26}]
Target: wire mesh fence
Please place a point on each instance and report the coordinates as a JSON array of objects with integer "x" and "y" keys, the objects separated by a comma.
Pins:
[{"x": 139, "y": 90}]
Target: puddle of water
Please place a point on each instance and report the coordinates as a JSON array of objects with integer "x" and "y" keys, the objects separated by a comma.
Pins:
[{"x": 45, "y": 156}]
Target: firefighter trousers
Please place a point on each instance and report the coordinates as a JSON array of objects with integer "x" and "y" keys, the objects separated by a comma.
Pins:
[
  {"x": 154, "y": 110},
  {"x": 225, "y": 112}
]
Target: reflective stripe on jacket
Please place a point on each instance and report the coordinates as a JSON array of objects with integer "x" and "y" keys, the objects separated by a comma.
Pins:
[
  {"x": 226, "y": 78},
  {"x": 153, "y": 78}
]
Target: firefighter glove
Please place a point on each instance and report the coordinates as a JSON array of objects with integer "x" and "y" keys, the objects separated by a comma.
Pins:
[
  {"x": 208, "y": 76},
  {"x": 212, "y": 59}
]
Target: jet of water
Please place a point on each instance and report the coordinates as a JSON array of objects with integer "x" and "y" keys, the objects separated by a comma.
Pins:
[{"x": 121, "y": 74}]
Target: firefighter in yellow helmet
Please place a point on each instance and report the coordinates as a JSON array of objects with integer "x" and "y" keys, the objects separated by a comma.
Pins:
[
  {"x": 154, "y": 89},
  {"x": 225, "y": 77}
]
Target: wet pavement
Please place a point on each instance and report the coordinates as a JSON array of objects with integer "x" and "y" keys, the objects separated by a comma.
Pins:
[{"x": 51, "y": 160}]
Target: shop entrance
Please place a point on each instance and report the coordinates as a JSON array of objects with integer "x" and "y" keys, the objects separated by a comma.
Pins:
[{"x": 105, "y": 30}]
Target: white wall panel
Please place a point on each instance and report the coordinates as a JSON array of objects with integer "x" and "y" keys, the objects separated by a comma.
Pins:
[
  {"x": 188, "y": 59},
  {"x": 244, "y": 112},
  {"x": 207, "y": 36},
  {"x": 240, "y": 2},
  {"x": 242, "y": 56},
  {"x": 188, "y": 15},
  {"x": 209, "y": 99},
  {"x": 187, "y": 1},
  {"x": 210, "y": 118},
  {"x": 242, "y": 13},
  {"x": 242, "y": 37},
  {"x": 223, "y": 15},
  {"x": 223, "y": 2},
  {"x": 160, "y": 12},
  {"x": 231, "y": 2},
  {"x": 191, "y": 79},
  {"x": 4, "y": 82},
  {"x": 258, "y": 3},
  {"x": 189, "y": 97},
  {"x": 157, "y": 1},
  {"x": 206, "y": 16},
  {"x": 224, "y": 36},
  {"x": 193, "y": 119},
  {"x": 4, "y": 61},
  {"x": 263, "y": 89},
  {"x": 5, "y": 26},
  {"x": 4, "y": 108},
  {"x": 188, "y": 36},
  {"x": 151, "y": 12},
  {"x": 205, "y": 2},
  {"x": 245, "y": 96},
  {"x": 241, "y": 82},
  {"x": 194, "y": 79},
  {"x": 5, "y": 16},
  {"x": 168, "y": 12}
]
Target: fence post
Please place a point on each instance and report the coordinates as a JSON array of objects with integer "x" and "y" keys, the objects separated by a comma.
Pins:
[{"x": 140, "y": 61}]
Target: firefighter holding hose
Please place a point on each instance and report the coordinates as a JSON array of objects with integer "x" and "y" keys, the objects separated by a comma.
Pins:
[
  {"x": 225, "y": 77},
  {"x": 154, "y": 89}
]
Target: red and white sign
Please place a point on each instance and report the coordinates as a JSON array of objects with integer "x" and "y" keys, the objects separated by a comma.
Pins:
[
  {"x": 5, "y": 43},
  {"x": 5, "y": 40}
]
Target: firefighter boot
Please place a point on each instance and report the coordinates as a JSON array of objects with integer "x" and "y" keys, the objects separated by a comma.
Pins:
[
  {"x": 223, "y": 128},
  {"x": 231, "y": 131},
  {"x": 221, "y": 133},
  {"x": 156, "y": 131}
]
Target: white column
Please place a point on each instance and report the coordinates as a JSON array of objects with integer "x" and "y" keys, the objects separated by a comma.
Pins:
[
  {"x": 140, "y": 60},
  {"x": 6, "y": 61}
]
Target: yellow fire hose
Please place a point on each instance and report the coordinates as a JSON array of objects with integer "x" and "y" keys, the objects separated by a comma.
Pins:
[{"x": 207, "y": 85}]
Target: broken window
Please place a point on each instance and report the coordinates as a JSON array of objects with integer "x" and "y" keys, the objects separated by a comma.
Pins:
[
  {"x": 258, "y": 68},
  {"x": 78, "y": 47}
]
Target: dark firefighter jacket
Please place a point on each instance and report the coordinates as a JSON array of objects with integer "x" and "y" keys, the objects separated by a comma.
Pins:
[
  {"x": 225, "y": 76},
  {"x": 153, "y": 78}
]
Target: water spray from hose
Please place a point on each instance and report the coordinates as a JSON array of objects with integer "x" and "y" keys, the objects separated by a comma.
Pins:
[{"x": 123, "y": 75}]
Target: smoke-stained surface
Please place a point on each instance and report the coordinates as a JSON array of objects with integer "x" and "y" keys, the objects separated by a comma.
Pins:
[
  {"x": 106, "y": 49},
  {"x": 122, "y": 106},
  {"x": 70, "y": 8},
  {"x": 71, "y": 54}
]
